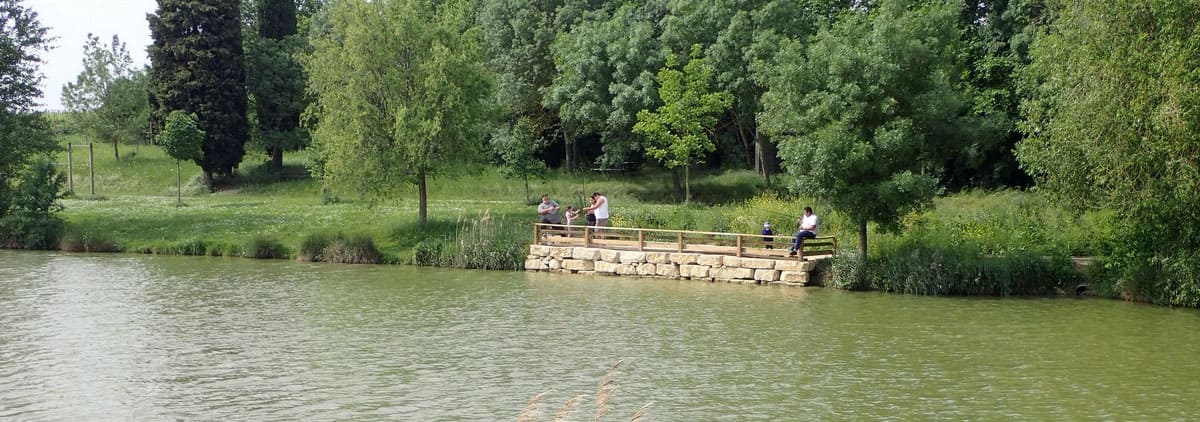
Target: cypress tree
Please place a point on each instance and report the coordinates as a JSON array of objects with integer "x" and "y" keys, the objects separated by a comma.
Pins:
[
  {"x": 197, "y": 67},
  {"x": 276, "y": 79}
]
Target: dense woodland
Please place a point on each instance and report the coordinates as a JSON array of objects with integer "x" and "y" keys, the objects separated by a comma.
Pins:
[{"x": 874, "y": 106}]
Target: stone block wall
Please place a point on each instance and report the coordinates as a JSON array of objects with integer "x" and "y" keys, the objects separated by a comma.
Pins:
[{"x": 676, "y": 266}]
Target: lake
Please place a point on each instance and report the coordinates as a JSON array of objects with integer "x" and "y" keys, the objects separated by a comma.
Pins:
[{"x": 130, "y": 337}]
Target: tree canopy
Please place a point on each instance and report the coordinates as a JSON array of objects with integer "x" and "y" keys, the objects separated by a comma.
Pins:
[
  {"x": 109, "y": 96},
  {"x": 679, "y": 133},
  {"x": 402, "y": 94},
  {"x": 864, "y": 112},
  {"x": 1111, "y": 124}
]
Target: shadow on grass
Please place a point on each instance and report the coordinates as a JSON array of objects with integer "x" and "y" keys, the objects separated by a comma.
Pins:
[{"x": 708, "y": 189}]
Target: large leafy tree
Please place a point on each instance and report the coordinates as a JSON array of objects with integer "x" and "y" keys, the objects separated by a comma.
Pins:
[
  {"x": 679, "y": 133},
  {"x": 402, "y": 94},
  {"x": 197, "y": 66},
  {"x": 28, "y": 191},
  {"x": 605, "y": 75},
  {"x": 864, "y": 113},
  {"x": 22, "y": 129},
  {"x": 1112, "y": 123},
  {"x": 275, "y": 79},
  {"x": 109, "y": 96}
]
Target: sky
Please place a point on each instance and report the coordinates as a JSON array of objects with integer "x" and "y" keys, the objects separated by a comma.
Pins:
[{"x": 71, "y": 20}]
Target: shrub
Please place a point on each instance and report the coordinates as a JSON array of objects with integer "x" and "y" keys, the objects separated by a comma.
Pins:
[
  {"x": 357, "y": 249},
  {"x": 429, "y": 252},
  {"x": 484, "y": 243},
  {"x": 79, "y": 241},
  {"x": 193, "y": 246},
  {"x": 28, "y": 217},
  {"x": 263, "y": 247},
  {"x": 917, "y": 266},
  {"x": 312, "y": 246},
  {"x": 351, "y": 250},
  {"x": 849, "y": 272}
]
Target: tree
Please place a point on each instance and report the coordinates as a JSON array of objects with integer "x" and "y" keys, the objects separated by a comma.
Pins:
[
  {"x": 181, "y": 138},
  {"x": 23, "y": 131},
  {"x": 517, "y": 147},
  {"x": 401, "y": 94},
  {"x": 518, "y": 34},
  {"x": 197, "y": 66},
  {"x": 1111, "y": 124},
  {"x": 864, "y": 113},
  {"x": 606, "y": 66},
  {"x": 679, "y": 132},
  {"x": 108, "y": 97},
  {"x": 275, "y": 79},
  {"x": 29, "y": 190}
]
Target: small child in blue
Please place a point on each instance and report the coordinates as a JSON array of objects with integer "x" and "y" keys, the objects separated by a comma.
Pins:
[{"x": 766, "y": 231}]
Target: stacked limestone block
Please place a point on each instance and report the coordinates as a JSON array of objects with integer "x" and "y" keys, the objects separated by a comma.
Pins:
[{"x": 685, "y": 266}]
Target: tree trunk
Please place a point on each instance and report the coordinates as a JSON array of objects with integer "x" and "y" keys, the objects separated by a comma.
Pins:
[
  {"x": 178, "y": 184},
  {"x": 116, "y": 151},
  {"x": 527, "y": 189},
  {"x": 422, "y": 201},
  {"x": 277, "y": 159},
  {"x": 766, "y": 152},
  {"x": 749, "y": 145},
  {"x": 687, "y": 184},
  {"x": 862, "y": 240},
  {"x": 675, "y": 181},
  {"x": 208, "y": 180}
]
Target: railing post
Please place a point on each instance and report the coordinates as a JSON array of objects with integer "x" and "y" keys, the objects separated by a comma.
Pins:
[
  {"x": 587, "y": 236},
  {"x": 739, "y": 246},
  {"x": 800, "y": 252},
  {"x": 641, "y": 240},
  {"x": 680, "y": 244},
  {"x": 537, "y": 234},
  {"x": 92, "y": 165},
  {"x": 70, "y": 170}
]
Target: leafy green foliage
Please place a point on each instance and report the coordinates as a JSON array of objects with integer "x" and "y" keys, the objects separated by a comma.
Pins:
[
  {"x": 197, "y": 66},
  {"x": 28, "y": 193},
  {"x": 864, "y": 113},
  {"x": 605, "y": 66},
  {"x": 679, "y": 132},
  {"x": 485, "y": 243},
  {"x": 518, "y": 147},
  {"x": 275, "y": 79},
  {"x": 181, "y": 137},
  {"x": 1109, "y": 125},
  {"x": 402, "y": 94},
  {"x": 31, "y": 219},
  {"x": 108, "y": 98}
]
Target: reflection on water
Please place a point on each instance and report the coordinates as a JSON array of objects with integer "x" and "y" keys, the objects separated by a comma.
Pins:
[{"x": 139, "y": 337}]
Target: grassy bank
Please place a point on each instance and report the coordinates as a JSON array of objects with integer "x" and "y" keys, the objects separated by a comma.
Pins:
[{"x": 482, "y": 221}]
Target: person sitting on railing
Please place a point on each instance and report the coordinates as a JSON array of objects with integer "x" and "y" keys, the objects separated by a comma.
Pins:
[{"x": 808, "y": 230}]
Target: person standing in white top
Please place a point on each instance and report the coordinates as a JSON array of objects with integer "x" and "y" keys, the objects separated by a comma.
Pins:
[
  {"x": 599, "y": 207},
  {"x": 808, "y": 229}
]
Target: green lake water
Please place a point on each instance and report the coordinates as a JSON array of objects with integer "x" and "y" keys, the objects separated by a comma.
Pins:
[{"x": 120, "y": 337}]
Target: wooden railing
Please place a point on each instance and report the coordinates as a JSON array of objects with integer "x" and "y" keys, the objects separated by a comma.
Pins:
[{"x": 681, "y": 241}]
